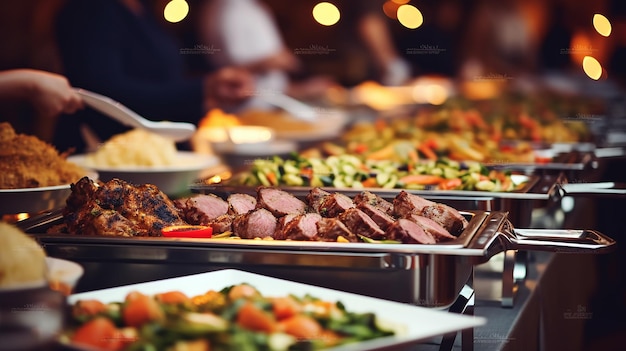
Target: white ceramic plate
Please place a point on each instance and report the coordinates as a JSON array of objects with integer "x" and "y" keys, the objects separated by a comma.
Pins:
[
  {"x": 172, "y": 180},
  {"x": 419, "y": 323}
]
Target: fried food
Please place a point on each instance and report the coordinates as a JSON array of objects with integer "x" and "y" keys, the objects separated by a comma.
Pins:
[
  {"x": 22, "y": 260},
  {"x": 28, "y": 162}
]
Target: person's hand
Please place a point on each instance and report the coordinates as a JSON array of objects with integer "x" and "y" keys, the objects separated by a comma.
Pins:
[
  {"x": 228, "y": 87},
  {"x": 52, "y": 95}
]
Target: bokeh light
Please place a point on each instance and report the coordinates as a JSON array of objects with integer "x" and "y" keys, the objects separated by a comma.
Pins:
[
  {"x": 176, "y": 11},
  {"x": 326, "y": 13},
  {"x": 592, "y": 67},
  {"x": 409, "y": 16},
  {"x": 602, "y": 25}
]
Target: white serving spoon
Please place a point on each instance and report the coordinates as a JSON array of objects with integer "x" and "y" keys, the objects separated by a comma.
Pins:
[
  {"x": 294, "y": 107},
  {"x": 177, "y": 131}
]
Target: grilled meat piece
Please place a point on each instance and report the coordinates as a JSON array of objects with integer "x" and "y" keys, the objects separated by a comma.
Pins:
[
  {"x": 367, "y": 197},
  {"x": 405, "y": 204},
  {"x": 222, "y": 224},
  {"x": 202, "y": 209},
  {"x": 315, "y": 197},
  {"x": 258, "y": 223},
  {"x": 279, "y": 202},
  {"x": 431, "y": 227},
  {"x": 408, "y": 232},
  {"x": 330, "y": 229},
  {"x": 359, "y": 223},
  {"x": 119, "y": 208},
  {"x": 334, "y": 204},
  {"x": 282, "y": 222},
  {"x": 301, "y": 227},
  {"x": 240, "y": 203},
  {"x": 381, "y": 218}
]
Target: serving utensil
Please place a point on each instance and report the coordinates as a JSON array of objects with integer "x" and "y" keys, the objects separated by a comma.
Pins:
[
  {"x": 177, "y": 131},
  {"x": 294, "y": 107}
]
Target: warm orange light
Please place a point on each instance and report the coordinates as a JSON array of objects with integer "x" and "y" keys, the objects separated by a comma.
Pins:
[
  {"x": 390, "y": 9},
  {"x": 176, "y": 10},
  {"x": 409, "y": 16},
  {"x": 592, "y": 67},
  {"x": 602, "y": 25},
  {"x": 326, "y": 13}
]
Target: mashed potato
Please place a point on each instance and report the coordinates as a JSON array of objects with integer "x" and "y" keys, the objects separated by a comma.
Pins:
[
  {"x": 22, "y": 260},
  {"x": 137, "y": 147}
]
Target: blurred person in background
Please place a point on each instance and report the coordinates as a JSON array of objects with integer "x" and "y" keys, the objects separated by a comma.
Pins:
[
  {"x": 357, "y": 48},
  {"x": 244, "y": 33},
  {"x": 118, "y": 48}
]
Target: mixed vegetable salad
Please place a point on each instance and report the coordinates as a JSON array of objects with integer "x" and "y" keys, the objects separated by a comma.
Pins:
[
  {"x": 349, "y": 171},
  {"x": 237, "y": 317}
]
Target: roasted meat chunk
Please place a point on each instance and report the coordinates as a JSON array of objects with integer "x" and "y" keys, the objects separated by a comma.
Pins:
[
  {"x": 240, "y": 203},
  {"x": 118, "y": 208},
  {"x": 279, "y": 202},
  {"x": 405, "y": 204},
  {"x": 258, "y": 223},
  {"x": 334, "y": 204},
  {"x": 300, "y": 227},
  {"x": 431, "y": 227},
  {"x": 408, "y": 232},
  {"x": 359, "y": 223},
  {"x": 202, "y": 209},
  {"x": 381, "y": 218},
  {"x": 331, "y": 229},
  {"x": 367, "y": 197}
]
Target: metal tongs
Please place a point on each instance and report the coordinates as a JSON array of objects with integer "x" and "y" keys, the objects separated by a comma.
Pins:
[{"x": 177, "y": 131}]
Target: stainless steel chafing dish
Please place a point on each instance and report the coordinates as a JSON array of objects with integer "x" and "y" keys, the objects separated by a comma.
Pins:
[{"x": 426, "y": 275}]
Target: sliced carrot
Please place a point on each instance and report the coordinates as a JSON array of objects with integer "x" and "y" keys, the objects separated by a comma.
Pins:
[
  {"x": 360, "y": 148},
  {"x": 271, "y": 176},
  {"x": 172, "y": 297},
  {"x": 141, "y": 309},
  {"x": 253, "y": 318},
  {"x": 421, "y": 179},
  {"x": 427, "y": 151},
  {"x": 88, "y": 308},
  {"x": 370, "y": 183},
  {"x": 302, "y": 327},
  {"x": 100, "y": 333},
  {"x": 285, "y": 307},
  {"x": 449, "y": 184}
]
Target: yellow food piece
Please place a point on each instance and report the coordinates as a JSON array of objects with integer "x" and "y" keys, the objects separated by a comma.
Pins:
[
  {"x": 136, "y": 147},
  {"x": 22, "y": 260}
]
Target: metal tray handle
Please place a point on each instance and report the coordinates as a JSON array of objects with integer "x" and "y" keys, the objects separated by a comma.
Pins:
[{"x": 558, "y": 240}]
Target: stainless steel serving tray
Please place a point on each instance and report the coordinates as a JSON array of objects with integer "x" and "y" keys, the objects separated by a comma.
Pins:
[{"x": 426, "y": 275}]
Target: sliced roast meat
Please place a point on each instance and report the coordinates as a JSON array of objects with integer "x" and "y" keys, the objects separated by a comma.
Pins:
[
  {"x": 408, "y": 232},
  {"x": 301, "y": 227},
  {"x": 201, "y": 209},
  {"x": 331, "y": 229},
  {"x": 361, "y": 224},
  {"x": 381, "y": 218},
  {"x": 335, "y": 204},
  {"x": 405, "y": 203},
  {"x": 279, "y": 202},
  {"x": 222, "y": 224},
  {"x": 282, "y": 222},
  {"x": 315, "y": 197},
  {"x": 367, "y": 197},
  {"x": 431, "y": 227},
  {"x": 240, "y": 203},
  {"x": 446, "y": 216},
  {"x": 258, "y": 223}
]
